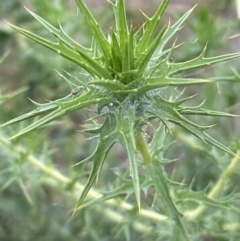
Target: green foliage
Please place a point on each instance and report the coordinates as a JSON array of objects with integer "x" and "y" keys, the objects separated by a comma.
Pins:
[{"x": 130, "y": 78}]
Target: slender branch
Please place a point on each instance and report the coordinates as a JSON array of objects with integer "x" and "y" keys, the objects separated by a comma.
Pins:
[{"x": 92, "y": 193}]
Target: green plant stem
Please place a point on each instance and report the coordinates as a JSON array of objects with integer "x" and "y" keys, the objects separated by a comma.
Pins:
[
  {"x": 142, "y": 147},
  {"x": 56, "y": 175},
  {"x": 118, "y": 218},
  {"x": 217, "y": 188}
]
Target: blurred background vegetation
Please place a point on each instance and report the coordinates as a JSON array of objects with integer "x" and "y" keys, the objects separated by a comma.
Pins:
[{"x": 35, "y": 207}]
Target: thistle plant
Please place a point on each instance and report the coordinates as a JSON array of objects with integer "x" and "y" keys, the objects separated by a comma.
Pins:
[{"x": 129, "y": 76}]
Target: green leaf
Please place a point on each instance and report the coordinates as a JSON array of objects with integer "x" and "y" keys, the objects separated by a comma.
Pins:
[
  {"x": 41, "y": 109},
  {"x": 161, "y": 81},
  {"x": 95, "y": 29},
  {"x": 107, "y": 138},
  {"x": 183, "y": 195},
  {"x": 125, "y": 127},
  {"x": 170, "y": 31},
  {"x": 122, "y": 189},
  {"x": 116, "y": 54},
  {"x": 126, "y": 61},
  {"x": 77, "y": 57},
  {"x": 158, "y": 139},
  {"x": 58, "y": 108},
  {"x": 200, "y": 61},
  {"x": 122, "y": 30},
  {"x": 151, "y": 27},
  {"x": 146, "y": 56},
  {"x": 156, "y": 172},
  {"x": 108, "y": 84},
  {"x": 131, "y": 47},
  {"x": 166, "y": 112},
  {"x": 200, "y": 111},
  {"x": 56, "y": 32},
  {"x": 129, "y": 144},
  {"x": 98, "y": 159}
]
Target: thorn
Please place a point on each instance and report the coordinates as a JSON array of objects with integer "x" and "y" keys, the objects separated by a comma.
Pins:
[
  {"x": 203, "y": 52},
  {"x": 35, "y": 103}
]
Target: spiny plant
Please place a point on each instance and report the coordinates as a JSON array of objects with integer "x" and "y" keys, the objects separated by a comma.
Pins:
[{"x": 128, "y": 75}]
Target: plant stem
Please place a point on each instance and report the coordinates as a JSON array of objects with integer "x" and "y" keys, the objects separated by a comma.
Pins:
[
  {"x": 142, "y": 147},
  {"x": 56, "y": 175},
  {"x": 217, "y": 188}
]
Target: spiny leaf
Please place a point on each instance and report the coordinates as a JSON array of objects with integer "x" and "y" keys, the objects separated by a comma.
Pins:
[
  {"x": 148, "y": 53},
  {"x": 125, "y": 40},
  {"x": 124, "y": 188},
  {"x": 56, "y": 32},
  {"x": 59, "y": 108},
  {"x": 165, "y": 112},
  {"x": 95, "y": 29},
  {"x": 131, "y": 47},
  {"x": 158, "y": 138},
  {"x": 78, "y": 57},
  {"x": 206, "y": 138},
  {"x": 151, "y": 27},
  {"x": 126, "y": 130},
  {"x": 160, "y": 66},
  {"x": 41, "y": 109},
  {"x": 108, "y": 84},
  {"x": 170, "y": 31},
  {"x": 131, "y": 57},
  {"x": 183, "y": 195},
  {"x": 116, "y": 53},
  {"x": 100, "y": 71},
  {"x": 177, "y": 102},
  {"x": 200, "y": 111},
  {"x": 107, "y": 138},
  {"x": 161, "y": 81},
  {"x": 129, "y": 144},
  {"x": 156, "y": 173},
  {"x": 200, "y": 61},
  {"x": 70, "y": 83},
  {"x": 121, "y": 22},
  {"x": 125, "y": 60},
  {"x": 98, "y": 159}
]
